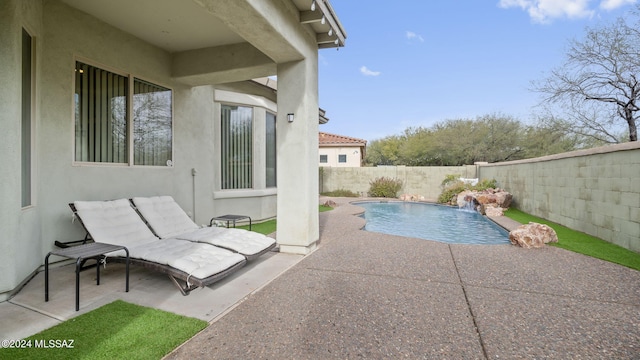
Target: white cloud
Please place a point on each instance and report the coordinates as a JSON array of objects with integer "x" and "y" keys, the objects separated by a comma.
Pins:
[
  {"x": 614, "y": 4},
  {"x": 366, "y": 72},
  {"x": 411, "y": 36},
  {"x": 543, "y": 11}
]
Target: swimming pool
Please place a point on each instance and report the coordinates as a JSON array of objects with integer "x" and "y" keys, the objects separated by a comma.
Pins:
[{"x": 432, "y": 222}]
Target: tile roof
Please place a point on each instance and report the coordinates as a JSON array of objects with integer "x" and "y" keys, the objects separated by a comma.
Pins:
[{"x": 326, "y": 139}]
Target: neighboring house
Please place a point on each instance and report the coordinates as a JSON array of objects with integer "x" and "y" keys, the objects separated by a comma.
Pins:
[
  {"x": 113, "y": 99},
  {"x": 341, "y": 151}
]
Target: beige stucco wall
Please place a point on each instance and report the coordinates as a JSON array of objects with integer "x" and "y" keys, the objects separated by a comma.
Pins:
[
  {"x": 20, "y": 228},
  {"x": 352, "y": 153},
  {"x": 596, "y": 191},
  {"x": 419, "y": 181},
  {"x": 64, "y": 35}
]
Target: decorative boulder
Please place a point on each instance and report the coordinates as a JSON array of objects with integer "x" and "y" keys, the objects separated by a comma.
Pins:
[
  {"x": 330, "y": 203},
  {"x": 492, "y": 211},
  {"x": 467, "y": 200},
  {"x": 532, "y": 235},
  {"x": 411, "y": 197},
  {"x": 494, "y": 196},
  {"x": 482, "y": 200}
]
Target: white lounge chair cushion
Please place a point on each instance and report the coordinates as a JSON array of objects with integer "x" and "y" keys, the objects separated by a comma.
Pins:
[
  {"x": 114, "y": 222},
  {"x": 165, "y": 216},
  {"x": 167, "y": 219},
  {"x": 197, "y": 260},
  {"x": 242, "y": 241}
]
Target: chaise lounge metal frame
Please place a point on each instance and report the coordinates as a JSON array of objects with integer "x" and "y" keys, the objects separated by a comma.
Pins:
[
  {"x": 180, "y": 279},
  {"x": 249, "y": 257}
]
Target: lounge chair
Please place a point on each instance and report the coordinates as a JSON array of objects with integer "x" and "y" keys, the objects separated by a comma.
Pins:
[
  {"x": 167, "y": 220},
  {"x": 116, "y": 222}
]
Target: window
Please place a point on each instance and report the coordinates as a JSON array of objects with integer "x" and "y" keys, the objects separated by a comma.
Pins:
[
  {"x": 236, "y": 147},
  {"x": 151, "y": 124},
  {"x": 101, "y": 115},
  {"x": 25, "y": 133},
  {"x": 270, "y": 142},
  {"x": 102, "y": 130},
  {"x": 342, "y": 158},
  {"x": 323, "y": 159}
]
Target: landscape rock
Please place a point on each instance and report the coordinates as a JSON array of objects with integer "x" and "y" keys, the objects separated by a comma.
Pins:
[
  {"x": 532, "y": 235},
  {"x": 467, "y": 200},
  {"x": 412, "y": 197},
  {"x": 497, "y": 198},
  {"x": 492, "y": 211},
  {"x": 330, "y": 203}
]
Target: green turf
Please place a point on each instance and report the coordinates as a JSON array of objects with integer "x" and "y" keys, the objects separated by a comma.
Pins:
[
  {"x": 582, "y": 243},
  {"x": 266, "y": 227},
  {"x": 118, "y": 330},
  {"x": 269, "y": 226}
]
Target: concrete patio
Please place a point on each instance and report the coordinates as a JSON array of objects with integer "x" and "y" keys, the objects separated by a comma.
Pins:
[
  {"x": 27, "y": 313},
  {"x": 371, "y": 295}
]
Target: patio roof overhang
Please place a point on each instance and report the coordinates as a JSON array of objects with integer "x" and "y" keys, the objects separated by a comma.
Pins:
[{"x": 219, "y": 41}]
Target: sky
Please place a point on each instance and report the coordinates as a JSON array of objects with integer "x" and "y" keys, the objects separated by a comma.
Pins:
[{"x": 410, "y": 63}]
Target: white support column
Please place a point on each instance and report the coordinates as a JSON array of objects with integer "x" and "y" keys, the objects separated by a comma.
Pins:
[{"x": 297, "y": 146}]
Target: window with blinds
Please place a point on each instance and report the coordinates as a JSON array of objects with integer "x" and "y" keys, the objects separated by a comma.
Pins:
[
  {"x": 236, "y": 132},
  {"x": 151, "y": 124},
  {"x": 270, "y": 142},
  {"x": 102, "y": 130},
  {"x": 26, "y": 121}
]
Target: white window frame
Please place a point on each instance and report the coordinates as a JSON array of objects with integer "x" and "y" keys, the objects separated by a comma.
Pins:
[
  {"x": 259, "y": 104},
  {"x": 130, "y": 126},
  {"x": 32, "y": 127}
]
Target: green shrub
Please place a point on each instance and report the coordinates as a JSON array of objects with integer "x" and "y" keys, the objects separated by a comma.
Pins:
[
  {"x": 452, "y": 186},
  {"x": 452, "y": 178},
  {"x": 384, "y": 187},
  {"x": 340, "y": 193},
  {"x": 451, "y": 191},
  {"x": 486, "y": 184}
]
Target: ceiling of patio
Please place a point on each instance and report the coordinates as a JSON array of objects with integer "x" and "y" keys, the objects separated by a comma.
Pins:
[
  {"x": 177, "y": 26},
  {"x": 174, "y": 26}
]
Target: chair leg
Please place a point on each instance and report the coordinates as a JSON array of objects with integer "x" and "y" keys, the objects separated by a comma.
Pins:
[
  {"x": 46, "y": 277},
  {"x": 184, "y": 290},
  {"x": 78, "y": 266}
]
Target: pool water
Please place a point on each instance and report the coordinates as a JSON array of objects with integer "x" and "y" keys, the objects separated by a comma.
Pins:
[{"x": 432, "y": 222}]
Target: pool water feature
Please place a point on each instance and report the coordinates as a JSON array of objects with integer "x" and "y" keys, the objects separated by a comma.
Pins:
[{"x": 432, "y": 222}]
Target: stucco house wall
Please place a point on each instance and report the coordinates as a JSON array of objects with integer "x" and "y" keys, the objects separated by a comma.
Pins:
[
  {"x": 352, "y": 154},
  {"x": 64, "y": 34}
]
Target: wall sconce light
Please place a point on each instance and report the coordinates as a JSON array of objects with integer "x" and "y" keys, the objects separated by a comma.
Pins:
[
  {"x": 313, "y": 5},
  {"x": 290, "y": 117}
]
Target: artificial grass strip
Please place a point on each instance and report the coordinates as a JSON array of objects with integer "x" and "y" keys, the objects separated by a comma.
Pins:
[
  {"x": 264, "y": 228},
  {"x": 118, "y": 330},
  {"x": 582, "y": 243},
  {"x": 269, "y": 226}
]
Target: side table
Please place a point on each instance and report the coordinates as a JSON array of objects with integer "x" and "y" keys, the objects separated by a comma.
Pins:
[
  {"x": 230, "y": 218},
  {"x": 80, "y": 253}
]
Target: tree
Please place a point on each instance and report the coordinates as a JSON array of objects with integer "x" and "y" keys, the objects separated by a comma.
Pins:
[
  {"x": 540, "y": 141},
  {"x": 598, "y": 86},
  {"x": 488, "y": 138},
  {"x": 383, "y": 151}
]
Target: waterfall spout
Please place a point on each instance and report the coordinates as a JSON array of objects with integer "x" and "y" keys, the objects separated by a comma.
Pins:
[{"x": 469, "y": 204}]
